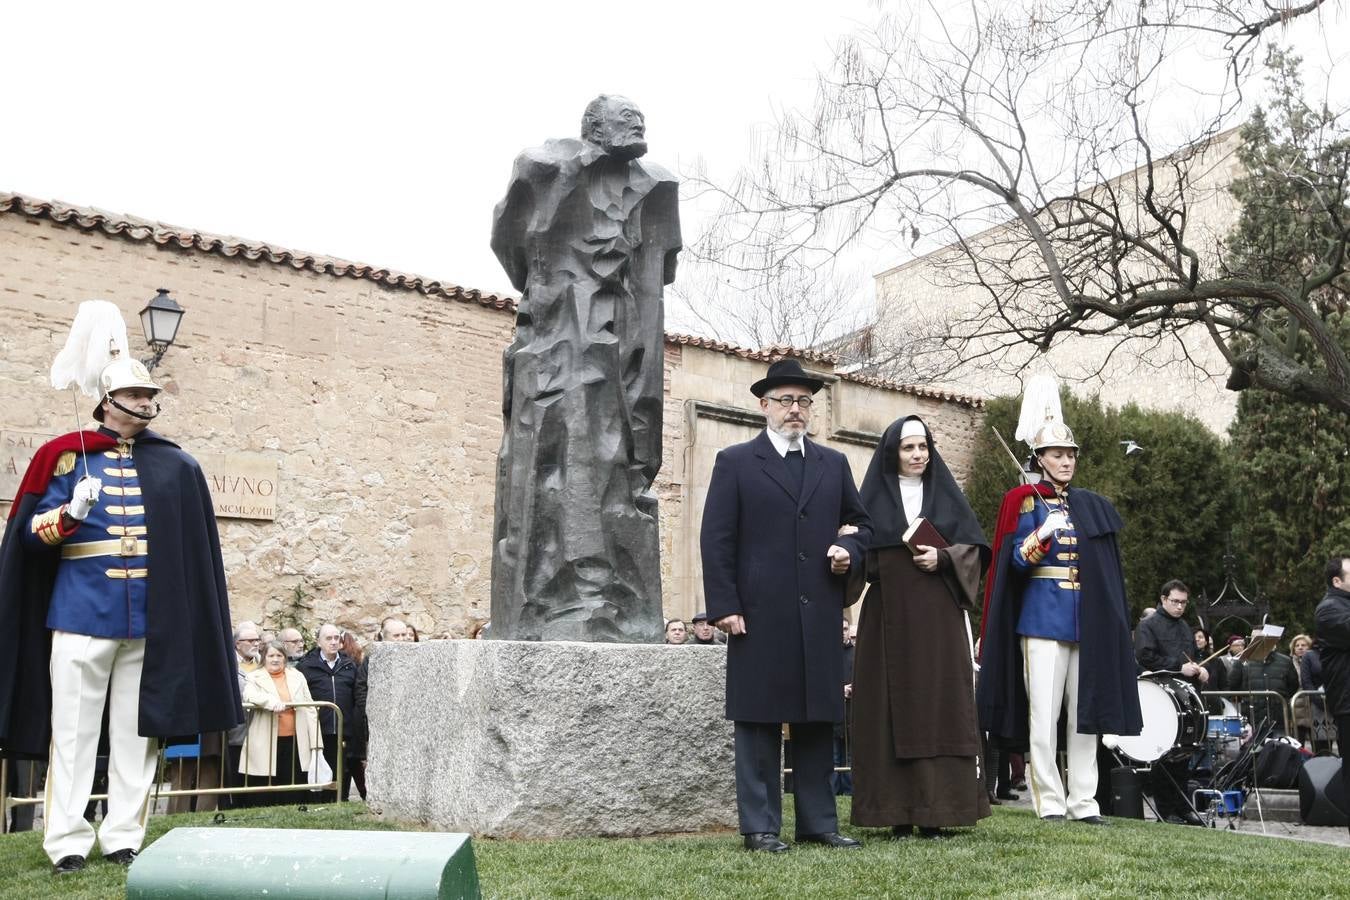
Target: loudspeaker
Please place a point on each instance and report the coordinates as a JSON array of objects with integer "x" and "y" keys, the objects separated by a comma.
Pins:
[
  {"x": 1127, "y": 793},
  {"x": 1321, "y": 792}
]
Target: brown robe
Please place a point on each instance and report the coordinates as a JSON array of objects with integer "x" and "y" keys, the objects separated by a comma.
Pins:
[{"x": 915, "y": 740}]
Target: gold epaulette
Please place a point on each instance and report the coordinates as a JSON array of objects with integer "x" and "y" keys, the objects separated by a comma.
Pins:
[
  {"x": 1028, "y": 504},
  {"x": 65, "y": 463}
]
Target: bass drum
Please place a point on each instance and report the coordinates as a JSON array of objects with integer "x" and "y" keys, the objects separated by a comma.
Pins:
[{"x": 1174, "y": 720}]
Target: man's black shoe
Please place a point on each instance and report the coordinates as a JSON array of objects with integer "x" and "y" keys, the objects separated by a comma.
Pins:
[
  {"x": 123, "y": 857},
  {"x": 994, "y": 801},
  {"x": 1053, "y": 817},
  {"x": 830, "y": 839},
  {"x": 1190, "y": 818},
  {"x": 67, "y": 865},
  {"x": 902, "y": 831},
  {"x": 1007, "y": 795},
  {"x": 933, "y": 833},
  {"x": 1093, "y": 820},
  {"x": 766, "y": 842}
]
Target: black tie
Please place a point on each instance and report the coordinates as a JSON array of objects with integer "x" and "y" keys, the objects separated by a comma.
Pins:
[{"x": 796, "y": 464}]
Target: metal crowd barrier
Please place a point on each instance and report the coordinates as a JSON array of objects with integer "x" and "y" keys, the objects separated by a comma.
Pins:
[
  {"x": 1329, "y": 733},
  {"x": 167, "y": 758}
]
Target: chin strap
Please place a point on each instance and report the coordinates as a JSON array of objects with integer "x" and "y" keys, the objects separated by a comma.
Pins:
[{"x": 133, "y": 413}]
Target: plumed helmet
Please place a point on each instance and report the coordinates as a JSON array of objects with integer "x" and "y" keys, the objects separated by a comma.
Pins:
[
  {"x": 1041, "y": 420},
  {"x": 1053, "y": 433},
  {"x": 122, "y": 373}
]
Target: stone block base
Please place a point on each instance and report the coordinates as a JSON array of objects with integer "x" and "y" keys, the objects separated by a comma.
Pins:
[{"x": 552, "y": 739}]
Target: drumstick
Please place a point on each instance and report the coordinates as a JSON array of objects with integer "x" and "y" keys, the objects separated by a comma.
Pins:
[{"x": 1215, "y": 655}]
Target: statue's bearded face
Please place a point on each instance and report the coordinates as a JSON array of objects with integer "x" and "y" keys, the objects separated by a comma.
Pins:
[{"x": 623, "y": 129}]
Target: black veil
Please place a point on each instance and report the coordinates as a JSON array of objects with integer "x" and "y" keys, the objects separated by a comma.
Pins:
[{"x": 943, "y": 503}]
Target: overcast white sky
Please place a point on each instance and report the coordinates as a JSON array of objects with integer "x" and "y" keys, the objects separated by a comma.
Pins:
[{"x": 380, "y": 133}]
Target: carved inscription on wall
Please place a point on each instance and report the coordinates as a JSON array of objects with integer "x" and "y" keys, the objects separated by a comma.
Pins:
[
  {"x": 242, "y": 486},
  {"x": 18, "y": 448}
]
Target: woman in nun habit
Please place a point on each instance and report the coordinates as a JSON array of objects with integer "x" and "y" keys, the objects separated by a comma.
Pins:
[{"x": 916, "y": 743}]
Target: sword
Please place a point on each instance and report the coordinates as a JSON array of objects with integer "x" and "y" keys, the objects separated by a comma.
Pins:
[
  {"x": 1021, "y": 473},
  {"x": 79, "y": 427}
]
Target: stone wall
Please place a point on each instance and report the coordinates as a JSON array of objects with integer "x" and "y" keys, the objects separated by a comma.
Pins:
[
  {"x": 378, "y": 399},
  {"x": 1186, "y": 374}
]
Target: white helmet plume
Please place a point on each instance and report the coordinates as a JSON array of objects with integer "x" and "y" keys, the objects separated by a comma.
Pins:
[
  {"x": 1040, "y": 403},
  {"x": 97, "y": 336}
]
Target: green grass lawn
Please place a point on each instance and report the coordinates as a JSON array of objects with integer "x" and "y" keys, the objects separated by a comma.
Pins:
[{"x": 1011, "y": 854}]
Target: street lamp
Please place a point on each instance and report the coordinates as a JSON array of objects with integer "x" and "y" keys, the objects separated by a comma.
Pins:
[{"x": 159, "y": 321}]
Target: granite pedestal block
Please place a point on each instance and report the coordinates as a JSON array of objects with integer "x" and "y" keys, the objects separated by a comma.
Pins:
[{"x": 550, "y": 739}]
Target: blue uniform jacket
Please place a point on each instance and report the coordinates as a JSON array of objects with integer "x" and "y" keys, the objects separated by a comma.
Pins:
[
  {"x": 1051, "y": 597},
  {"x": 100, "y": 586}
]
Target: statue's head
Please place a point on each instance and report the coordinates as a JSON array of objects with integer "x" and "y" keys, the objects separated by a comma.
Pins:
[{"x": 616, "y": 125}]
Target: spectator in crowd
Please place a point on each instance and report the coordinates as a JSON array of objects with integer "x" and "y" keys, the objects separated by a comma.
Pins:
[
  {"x": 1204, "y": 649},
  {"x": 247, "y": 639},
  {"x": 395, "y": 630},
  {"x": 25, "y": 778},
  {"x": 1165, "y": 643},
  {"x": 676, "y": 632},
  {"x": 294, "y": 642},
  {"x": 843, "y": 781},
  {"x": 392, "y": 630},
  {"x": 331, "y": 675},
  {"x": 267, "y": 637},
  {"x": 1230, "y": 664},
  {"x": 1275, "y": 673},
  {"x": 1309, "y": 668},
  {"x": 705, "y": 633},
  {"x": 413, "y": 636},
  {"x": 1332, "y": 624},
  {"x": 283, "y": 741}
]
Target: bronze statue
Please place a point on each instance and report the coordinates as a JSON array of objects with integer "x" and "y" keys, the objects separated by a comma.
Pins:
[{"x": 589, "y": 234}]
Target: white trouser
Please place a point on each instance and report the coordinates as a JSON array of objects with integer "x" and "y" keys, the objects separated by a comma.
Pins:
[
  {"x": 1051, "y": 669},
  {"x": 82, "y": 667}
]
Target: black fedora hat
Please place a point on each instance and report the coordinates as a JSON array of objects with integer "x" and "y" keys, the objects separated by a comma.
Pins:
[{"x": 786, "y": 371}]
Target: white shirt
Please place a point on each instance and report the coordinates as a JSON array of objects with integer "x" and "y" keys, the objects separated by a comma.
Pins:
[{"x": 782, "y": 444}]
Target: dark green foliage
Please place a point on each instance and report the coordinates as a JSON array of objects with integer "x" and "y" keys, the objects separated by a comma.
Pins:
[
  {"x": 1290, "y": 460},
  {"x": 1175, "y": 496}
]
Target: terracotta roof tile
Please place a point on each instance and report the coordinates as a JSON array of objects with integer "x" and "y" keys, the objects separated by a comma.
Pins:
[{"x": 135, "y": 229}]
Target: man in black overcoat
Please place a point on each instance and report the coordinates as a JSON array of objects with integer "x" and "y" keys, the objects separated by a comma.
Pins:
[{"x": 774, "y": 571}]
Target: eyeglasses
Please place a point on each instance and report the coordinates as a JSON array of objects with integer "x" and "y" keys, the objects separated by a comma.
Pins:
[
  {"x": 1179, "y": 601},
  {"x": 786, "y": 401}
]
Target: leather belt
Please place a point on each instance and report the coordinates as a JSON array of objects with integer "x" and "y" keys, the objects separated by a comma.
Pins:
[{"x": 127, "y": 546}]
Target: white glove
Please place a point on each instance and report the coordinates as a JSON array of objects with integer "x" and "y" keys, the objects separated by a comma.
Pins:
[
  {"x": 277, "y": 705},
  {"x": 85, "y": 496},
  {"x": 1056, "y": 521}
]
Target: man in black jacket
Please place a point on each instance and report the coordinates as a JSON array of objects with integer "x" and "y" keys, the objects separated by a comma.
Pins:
[
  {"x": 332, "y": 676},
  {"x": 1332, "y": 624},
  {"x": 1164, "y": 642}
]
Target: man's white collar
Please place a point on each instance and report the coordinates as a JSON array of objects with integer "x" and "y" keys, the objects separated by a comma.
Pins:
[{"x": 783, "y": 445}]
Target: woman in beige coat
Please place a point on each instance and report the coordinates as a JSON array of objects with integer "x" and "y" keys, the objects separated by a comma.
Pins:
[{"x": 281, "y": 739}]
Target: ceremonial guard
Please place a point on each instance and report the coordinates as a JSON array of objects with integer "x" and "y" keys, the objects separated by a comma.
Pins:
[
  {"x": 94, "y": 615},
  {"x": 1056, "y": 628}
]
